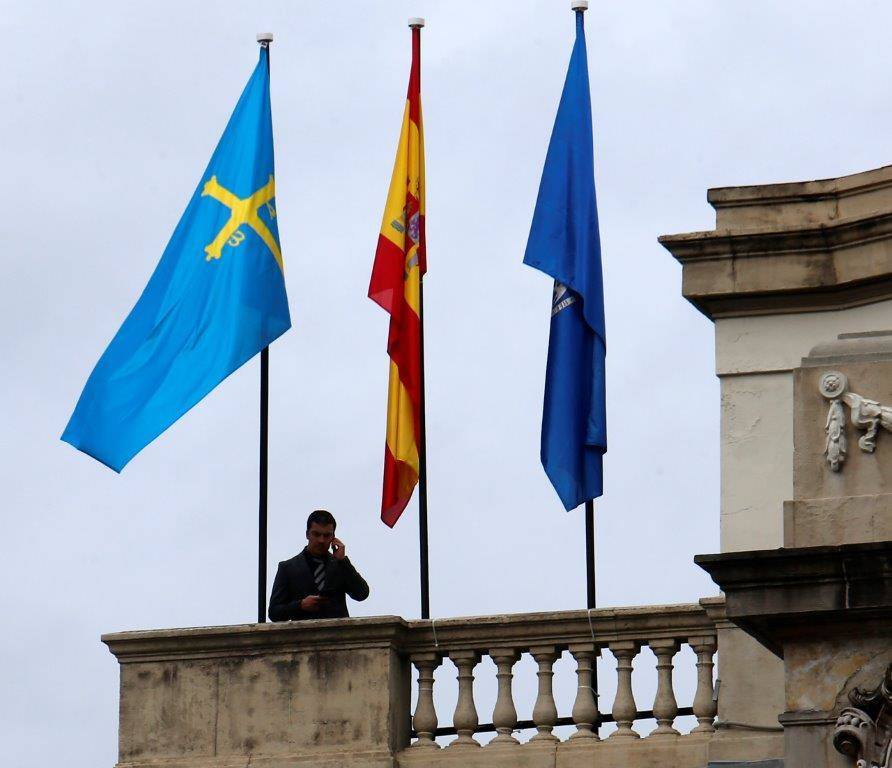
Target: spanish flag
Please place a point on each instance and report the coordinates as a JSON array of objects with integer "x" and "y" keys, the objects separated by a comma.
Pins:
[{"x": 396, "y": 286}]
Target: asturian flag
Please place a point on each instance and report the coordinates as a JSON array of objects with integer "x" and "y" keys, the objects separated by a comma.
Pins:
[
  {"x": 396, "y": 286},
  {"x": 564, "y": 243},
  {"x": 216, "y": 298}
]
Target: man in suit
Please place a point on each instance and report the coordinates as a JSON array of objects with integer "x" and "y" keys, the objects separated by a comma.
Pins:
[{"x": 314, "y": 583}]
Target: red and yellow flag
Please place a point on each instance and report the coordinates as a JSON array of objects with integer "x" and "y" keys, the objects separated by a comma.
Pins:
[{"x": 396, "y": 286}]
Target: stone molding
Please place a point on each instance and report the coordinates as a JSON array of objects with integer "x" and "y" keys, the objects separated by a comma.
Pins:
[
  {"x": 776, "y": 594},
  {"x": 783, "y": 248},
  {"x": 479, "y": 633},
  {"x": 806, "y": 718}
]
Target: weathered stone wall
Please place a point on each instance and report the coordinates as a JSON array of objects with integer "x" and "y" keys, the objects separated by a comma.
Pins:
[
  {"x": 852, "y": 503},
  {"x": 756, "y": 357},
  {"x": 328, "y": 696}
]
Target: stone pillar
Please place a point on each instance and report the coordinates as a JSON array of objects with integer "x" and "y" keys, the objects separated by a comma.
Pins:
[
  {"x": 585, "y": 706},
  {"x": 465, "y": 717},
  {"x": 624, "y": 708},
  {"x": 504, "y": 715},
  {"x": 665, "y": 707},
  {"x": 824, "y": 603},
  {"x": 787, "y": 267},
  {"x": 704, "y": 705},
  {"x": 425, "y": 718},
  {"x": 545, "y": 710}
]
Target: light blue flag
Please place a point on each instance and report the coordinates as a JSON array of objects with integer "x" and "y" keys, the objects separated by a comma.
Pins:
[
  {"x": 564, "y": 243},
  {"x": 216, "y": 298}
]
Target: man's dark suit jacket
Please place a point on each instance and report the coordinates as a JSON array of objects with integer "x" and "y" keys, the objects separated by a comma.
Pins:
[{"x": 294, "y": 581}]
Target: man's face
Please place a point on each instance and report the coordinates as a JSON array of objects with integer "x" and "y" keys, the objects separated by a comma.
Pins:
[{"x": 319, "y": 538}]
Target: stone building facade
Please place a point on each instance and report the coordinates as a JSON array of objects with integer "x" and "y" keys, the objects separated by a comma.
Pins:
[{"x": 797, "y": 279}]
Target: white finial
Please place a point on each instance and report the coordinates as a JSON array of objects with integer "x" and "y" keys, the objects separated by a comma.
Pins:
[
  {"x": 416, "y": 22},
  {"x": 264, "y": 38},
  {"x": 579, "y": 5}
]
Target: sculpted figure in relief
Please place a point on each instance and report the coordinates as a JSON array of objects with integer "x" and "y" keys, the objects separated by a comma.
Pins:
[
  {"x": 864, "y": 730},
  {"x": 869, "y": 415},
  {"x": 835, "y": 447},
  {"x": 866, "y": 414}
]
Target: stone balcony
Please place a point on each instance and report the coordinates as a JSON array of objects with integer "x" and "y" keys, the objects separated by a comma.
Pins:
[{"x": 338, "y": 693}]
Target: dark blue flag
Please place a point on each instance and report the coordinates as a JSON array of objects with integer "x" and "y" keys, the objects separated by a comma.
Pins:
[{"x": 564, "y": 243}]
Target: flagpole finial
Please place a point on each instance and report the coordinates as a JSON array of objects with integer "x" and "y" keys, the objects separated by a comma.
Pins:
[
  {"x": 579, "y": 5},
  {"x": 416, "y": 22},
  {"x": 264, "y": 38}
]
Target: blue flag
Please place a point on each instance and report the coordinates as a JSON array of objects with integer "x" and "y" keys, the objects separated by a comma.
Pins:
[
  {"x": 564, "y": 243},
  {"x": 216, "y": 298}
]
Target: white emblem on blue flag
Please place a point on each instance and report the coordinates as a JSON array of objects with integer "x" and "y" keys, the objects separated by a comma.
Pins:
[{"x": 561, "y": 299}]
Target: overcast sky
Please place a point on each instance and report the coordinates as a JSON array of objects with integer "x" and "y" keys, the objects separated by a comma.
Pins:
[{"x": 110, "y": 113}]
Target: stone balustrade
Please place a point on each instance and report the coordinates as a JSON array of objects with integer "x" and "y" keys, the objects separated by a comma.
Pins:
[
  {"x": 336, "y": 693},
  {"x": 545, "y": 637}
]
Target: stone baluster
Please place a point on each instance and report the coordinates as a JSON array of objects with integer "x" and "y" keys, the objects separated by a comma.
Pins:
[
  {"x": 665, "y": 707},
  {"x": 504, "y": 715},
  {"x": 624, "y": 707},
  {"x": 585, "y": 708},
  {"x": 704, "y": 705},
  {"x": 465, "y": 718},
  {"x": 425, "y": 720},
  {"x": 544, "y": 711}
]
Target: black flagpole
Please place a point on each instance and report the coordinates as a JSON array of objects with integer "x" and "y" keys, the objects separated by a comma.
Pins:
[
  {"x": 264, "y": 39},
  {"x": 592, "y": 601},
  {"x": 264, "y": 452},
  {"x": 416, "y": 25},
  {"x": 590, "y": 553}
]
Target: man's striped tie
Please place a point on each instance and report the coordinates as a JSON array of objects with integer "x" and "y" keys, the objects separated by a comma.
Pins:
[{"x": 319, "y": 575}]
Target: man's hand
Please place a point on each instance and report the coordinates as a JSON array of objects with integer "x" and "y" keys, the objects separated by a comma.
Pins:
[
  {"x": 338, "y": 550},
  {"x": 312, "y": 603}
]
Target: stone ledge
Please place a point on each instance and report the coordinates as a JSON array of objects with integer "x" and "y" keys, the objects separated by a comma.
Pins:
[
  {"x": 600, "y": 626},
  {"x": 252, "y": 639},
  {"x": 689, "y": 751},
  {"x": 775, "y": 594},
  {"x": 480, "y": 633}
]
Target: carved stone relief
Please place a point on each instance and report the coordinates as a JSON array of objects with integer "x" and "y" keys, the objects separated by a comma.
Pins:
[
  {"x": 865, "y": 414},
  {"x": 864, "y": 730}
]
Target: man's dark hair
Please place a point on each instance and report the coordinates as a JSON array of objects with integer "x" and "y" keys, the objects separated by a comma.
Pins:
[{"x": 321, "y": 517}]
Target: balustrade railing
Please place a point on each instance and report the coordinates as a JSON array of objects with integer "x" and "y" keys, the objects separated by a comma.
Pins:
[
  {"x": 313, "y": 692},
  {"x": 545, "y": 637}
]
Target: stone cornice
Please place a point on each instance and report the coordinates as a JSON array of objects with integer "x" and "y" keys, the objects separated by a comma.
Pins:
[
  {"x": 773, "y": 594},
  {"x": 252, "y": 639},
  {"x": 560, "y": 628},
  {"x": 791, "y": 247}
]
